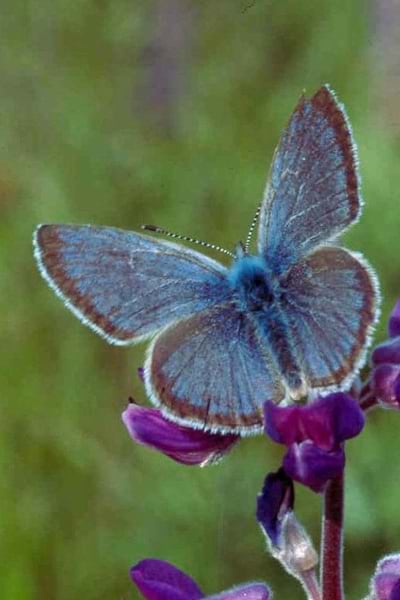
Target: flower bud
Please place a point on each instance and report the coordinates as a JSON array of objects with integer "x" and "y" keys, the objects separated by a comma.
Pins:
[
  {"x": 298, "y": 553},
  {"x": 385, "y": 385},
  {"x": 286, "y": 538}
]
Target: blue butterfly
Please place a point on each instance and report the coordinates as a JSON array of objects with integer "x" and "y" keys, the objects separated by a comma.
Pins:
[{"x": 291, "y": 321}]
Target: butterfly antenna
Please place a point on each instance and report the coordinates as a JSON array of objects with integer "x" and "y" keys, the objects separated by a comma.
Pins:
[
  {"x": 185, "y": 238},
  {"x": 252, "y": 228}
]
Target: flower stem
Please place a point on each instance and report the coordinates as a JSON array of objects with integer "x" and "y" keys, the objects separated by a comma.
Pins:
[
  {"x": 367, "y": 399},
  {"x": 310, "y": 584},
  {"x": 332, "y": 540}
]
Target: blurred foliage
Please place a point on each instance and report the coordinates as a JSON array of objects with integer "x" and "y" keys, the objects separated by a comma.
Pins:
[{"x": 124, "y": 113}]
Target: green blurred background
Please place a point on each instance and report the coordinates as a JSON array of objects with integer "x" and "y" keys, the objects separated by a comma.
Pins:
[{"x": 123, "y": 113}]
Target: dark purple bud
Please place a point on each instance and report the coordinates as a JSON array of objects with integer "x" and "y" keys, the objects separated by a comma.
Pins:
[
  {"x": 287, "y": 540},
  {"x": 385, "y": 385},
  {"x": 140, "y": 373},
  {"x": 394, "y": 320},
  {"x": 387, "y": 353},
  {"x": 274, "y": 501},
  {"x": 385, "y": 584},
  {"x": 313, "y": 466},
  {"x": 149, "y": 427},
  {"x": 327, "y": 421},
  {"x": 159, "y": 580}
]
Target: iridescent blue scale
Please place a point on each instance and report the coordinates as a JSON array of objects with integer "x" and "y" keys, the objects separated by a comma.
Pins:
[{"x": 289, "y": 322}]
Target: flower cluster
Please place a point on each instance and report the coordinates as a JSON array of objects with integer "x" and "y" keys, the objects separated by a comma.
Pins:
[{"x": 314, "y": 436}]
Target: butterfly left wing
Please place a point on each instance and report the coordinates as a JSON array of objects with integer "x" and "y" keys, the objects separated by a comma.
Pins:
[
  {"x": 313, "y": 190},
  {"x": 123, "y": 285},
  {"x": 330, "y": 299},
  {"x": 211, "y": 371}
]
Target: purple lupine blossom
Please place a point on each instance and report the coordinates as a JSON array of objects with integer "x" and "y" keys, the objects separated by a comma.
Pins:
[
  {"x": 160, "y": 580},
  {"x": 385, "y": 584},
  {"x": 149, "y": 427},
  {"x": 314, "y": 436},
  {"x": 384, "y": 382}
]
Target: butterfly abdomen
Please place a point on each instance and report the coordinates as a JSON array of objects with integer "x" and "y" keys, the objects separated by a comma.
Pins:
[{"x": 259, "y": 295}]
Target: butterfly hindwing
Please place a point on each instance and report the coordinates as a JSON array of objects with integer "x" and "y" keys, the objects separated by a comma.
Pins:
[
  {"x": 211, "y": 371},
  {"x": 123, "y": 285},
  {"x": 331, "y": 301},
  {"x": 313, "y": 190}
]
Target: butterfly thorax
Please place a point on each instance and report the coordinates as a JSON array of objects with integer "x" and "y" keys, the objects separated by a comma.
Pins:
[
  {"x": 255, "y": 286},
  {"x": 260, "y": 295}
]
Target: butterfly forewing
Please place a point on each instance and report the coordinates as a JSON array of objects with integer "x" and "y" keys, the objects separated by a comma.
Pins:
[
  {"x": 211, "y": 371},
  {"x": 313, "y": 190},
  {"x": 331, "y": 301},
  {"x": 124, "y": 285}
]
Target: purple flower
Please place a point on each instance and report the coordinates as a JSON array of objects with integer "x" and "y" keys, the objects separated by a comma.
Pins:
[
  {"x": 159, "y": 580},
  {"x": 394, "y": 321},
  {"x": 149, "y": 427},
  {"x": 387, "y": 353},
  {"x": 314, "y": 435},
  {"x": 385, "y": 584},
  {"x": 383, "y": 386}
]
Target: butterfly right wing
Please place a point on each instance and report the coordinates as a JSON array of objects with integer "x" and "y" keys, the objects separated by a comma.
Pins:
[
  {"x": 313, "y": 192},
  {"x": 212, "y": 372},
  {"x": 124, "y": 285}
]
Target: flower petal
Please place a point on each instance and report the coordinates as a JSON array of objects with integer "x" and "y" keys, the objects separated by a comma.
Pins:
[
  {"x": 385, "y": 384},
  {"x": 394, "y": 320},
  {"x": 347, "y": 418},
  {"x": 387, "y": 352},
  {"x": 385, "y": 584},
  {"x": 282, "y": 423},
  {"x": 159, "y": 580},
  {"x": 327, "y": 421},
  {"x": 395, "y": 593},
  {"x": 149, "y": 427},
  {"x": 274, "y": 501},
  {"x": 312, "y": 466},
  {"x": 247, "y": 591}
]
